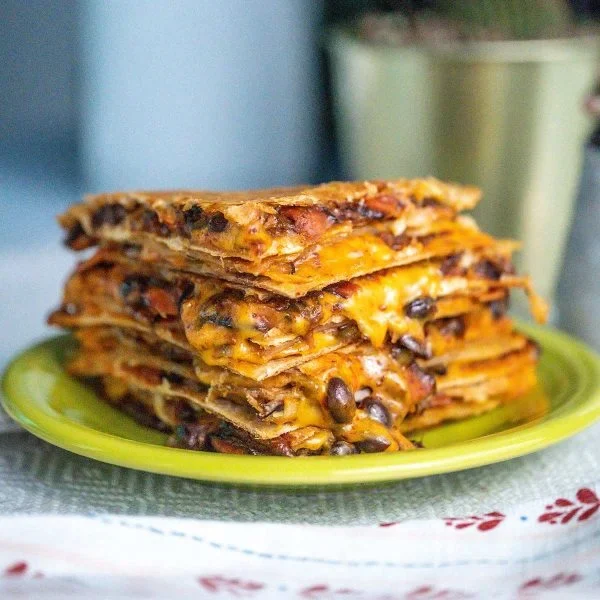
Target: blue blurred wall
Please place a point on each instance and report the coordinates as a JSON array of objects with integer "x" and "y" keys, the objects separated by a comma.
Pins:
[
  {"x": 200, "y": 93},
  {"x": 37, "y": 63},
  {"x": 164, "y": 93}
]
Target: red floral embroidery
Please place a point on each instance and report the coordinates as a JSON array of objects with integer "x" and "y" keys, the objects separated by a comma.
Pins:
[
  {"x": 551, "y": 583},
  {"x": 16, "y": 569},
  {"x": 323, "y": 592},
  {"x": 563, "y": 510},
  {"x": 20, "y": 569},
  {"x": 427, "y": 592},
  {"x": 234, "y": 587},
  {"x": 483, "y": 523}
]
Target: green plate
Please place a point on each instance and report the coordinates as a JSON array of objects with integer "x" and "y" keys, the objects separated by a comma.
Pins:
[{"x": 40, "y": 396}]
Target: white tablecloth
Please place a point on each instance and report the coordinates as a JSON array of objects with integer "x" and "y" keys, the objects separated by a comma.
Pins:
[{"x": 545, "y": 549}]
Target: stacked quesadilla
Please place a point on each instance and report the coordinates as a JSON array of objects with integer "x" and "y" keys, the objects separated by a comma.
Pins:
[{"x": 325, "y": 320}]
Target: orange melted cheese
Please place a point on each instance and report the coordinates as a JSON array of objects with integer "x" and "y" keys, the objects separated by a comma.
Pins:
[
  {"x": 329, "y": 261},
  {"x": 376, "y": 307},
  {"x": 350, "y": 257}
]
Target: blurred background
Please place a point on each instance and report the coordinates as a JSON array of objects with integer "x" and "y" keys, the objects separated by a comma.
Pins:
[{"x": 106, "y": 94}]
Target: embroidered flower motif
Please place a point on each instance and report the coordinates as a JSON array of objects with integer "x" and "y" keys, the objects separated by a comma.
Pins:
[
  {"x": 16, "y": 569},
  {"x": 483, "y": 523},
  {"x": 551, "y": 583},
  {"x": 234, "y": 587},
  {"x": 324, "y": 592},
  {"x": 20, "y": 569},
  {"x": 427, "y": 592},
  {"x": 563, "y": 510}
]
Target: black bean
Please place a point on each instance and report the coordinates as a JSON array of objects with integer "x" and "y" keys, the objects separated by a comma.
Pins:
[
  {"x": 450, "y": 265},
  {"x": 78, "y": 239},
  {"x": 217, "y": 223},
  {"x": 347, "y": 332},
  {"x": 226, "y": 429},
  {"x": 429, "y": 201},
  {"x": 437, "y": 370},
  {"x": 377, "y": 411},
  {"x": 454, "y": 326},
  {"x": 151, "y": 224},
  {"x": 340, "y": 401},
  {"x": 341, "y": 448},
  {"x": 402, "y": 355},
  {"x": 185, "y": 412},
  {"x": 74, "y": 233},
  {"x": 418, "y": 348},
  {"x": 133, "y": 284},
  {"x": 395, "y": 242},
  {"x": 374, "y": 444},
  {"x": 226, "y": 297},
  {"x": 420, "y": 308},
  {"x": 488, "y": 270},
  {"x": 195, "y": 218},
  {"x": 498, "y": 308},
  {"x": 174, "y": 378},
  {"x": 263, "y": 322},
  {"x": 109, "y": 214},
  {"x": 217, "y": 319}
]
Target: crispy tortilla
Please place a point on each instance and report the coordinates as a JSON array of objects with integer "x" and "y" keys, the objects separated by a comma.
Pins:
[{"x": 256, "y": 224}]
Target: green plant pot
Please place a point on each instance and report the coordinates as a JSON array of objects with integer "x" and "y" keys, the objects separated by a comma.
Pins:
[
  {"x": 506, "y": 116},
  {"x": 384, "y": 107}
]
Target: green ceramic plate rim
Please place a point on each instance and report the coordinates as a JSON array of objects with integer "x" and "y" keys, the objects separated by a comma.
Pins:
[{"x": 580, "y": 411}]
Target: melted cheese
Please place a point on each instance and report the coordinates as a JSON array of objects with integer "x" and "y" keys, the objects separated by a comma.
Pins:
[{"x": 354, "y": 256}]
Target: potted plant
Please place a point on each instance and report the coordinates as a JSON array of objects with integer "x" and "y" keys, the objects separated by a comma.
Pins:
[{"x": 481, "y": 91}]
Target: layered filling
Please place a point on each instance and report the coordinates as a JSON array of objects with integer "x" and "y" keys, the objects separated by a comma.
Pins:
[
  {"x": 360, "y": 396},
  {"x": 330, "y": 262},
  {"x": 258, "y": 224},
  {"x": 258, "y": 334},
  {"x": 357, "y": 397},
  {"x": 325, "y": 320}
]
